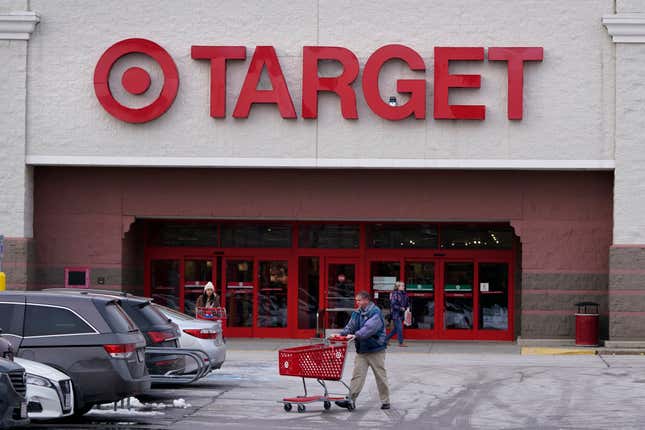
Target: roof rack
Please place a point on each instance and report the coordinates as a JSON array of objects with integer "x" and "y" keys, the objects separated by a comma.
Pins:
[{"x": 94, "y": 291}]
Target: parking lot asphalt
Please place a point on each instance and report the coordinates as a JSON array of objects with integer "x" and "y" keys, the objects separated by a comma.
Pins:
[{"x": 453, "y": 385}]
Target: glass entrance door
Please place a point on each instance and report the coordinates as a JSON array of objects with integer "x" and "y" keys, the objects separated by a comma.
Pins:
[
  {"x": 273, "y": 287},
  {"x": 256, "y": 292},
  {"x": 420, "y": 285},
  {"x": 383, "y": 275},
  {"x": 309, "y": 287},
  {"x": 197, "y": 273},
  {"x": 493, "y": 296},
  {"x": 164, "y": 282},
  {"x": 340, "y": 285},
  {"x": 239, "y": 290},
  {"x": 475, "y": 298},
  {"x": 458, "y": 304}
]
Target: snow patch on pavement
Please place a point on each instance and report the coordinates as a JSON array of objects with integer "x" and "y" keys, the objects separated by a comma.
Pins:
[
  {"x": 180, "y": 403},
  {"x": 136, "y": 407},
  {"x": 122, "y": 412}
]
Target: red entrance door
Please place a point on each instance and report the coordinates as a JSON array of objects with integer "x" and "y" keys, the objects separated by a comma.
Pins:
[
  {"x": 420, "y": 278},
  {"x": 197, "y": 272},
  {"x": 457, "y": 299},
  {"x": 240, "y": 292},
  {"x": 340, "y": 286},
  {"x": 475, "y": 299},
  {"x": 256, "y": 296},
  {"x": 419, "y": 275},
  {"x": 272, "y": 316},
  {"x": 458, "y": 296},
  {"x": 176, "y": 282}
]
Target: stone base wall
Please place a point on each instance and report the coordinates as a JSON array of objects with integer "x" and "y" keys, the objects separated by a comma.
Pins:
[
  {"x": 627, "y": 292},
  {"x": 18, "y": 262},
  {"x": 548, "y": 302}
]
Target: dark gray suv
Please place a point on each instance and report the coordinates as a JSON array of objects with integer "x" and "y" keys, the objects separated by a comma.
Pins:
[
  {"x": 89, "y": 338},
  {"x": 13, "y": 388},
  {"x": 158, "y": 330},
  {"x": 13, "y": 405}
]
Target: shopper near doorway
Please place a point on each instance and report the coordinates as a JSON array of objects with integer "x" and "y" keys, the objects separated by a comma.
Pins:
[
  {"x": 399, "y": 303},
  {"x": 367, "y": 327},
  {"x": 208, "y": 299}
]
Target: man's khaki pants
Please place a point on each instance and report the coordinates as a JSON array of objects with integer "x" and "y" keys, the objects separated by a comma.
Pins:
[{"x": 375, "y": 360}]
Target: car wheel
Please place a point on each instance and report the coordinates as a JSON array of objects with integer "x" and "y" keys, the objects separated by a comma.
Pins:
[{"x": 79, "y": 412}]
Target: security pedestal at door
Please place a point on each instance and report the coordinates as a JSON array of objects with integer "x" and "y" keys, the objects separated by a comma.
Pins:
[{"x": 587, "y": 318}]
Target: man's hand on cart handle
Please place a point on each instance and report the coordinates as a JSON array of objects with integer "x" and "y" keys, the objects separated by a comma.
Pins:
[{"x": 338, "y": 337}]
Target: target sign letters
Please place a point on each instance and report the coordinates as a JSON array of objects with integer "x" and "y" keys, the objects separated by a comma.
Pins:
[{"x": 136, "y": 81}]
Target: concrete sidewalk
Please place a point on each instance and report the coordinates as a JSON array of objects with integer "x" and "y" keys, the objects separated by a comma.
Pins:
[
  {"x": 433, "y": 347},
  {"x": 554, "y": 347}
]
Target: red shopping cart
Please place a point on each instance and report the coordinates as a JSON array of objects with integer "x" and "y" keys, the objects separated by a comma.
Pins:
[
  {"x": 212, "y": 314},
  {"x": 322, "y": 362}
]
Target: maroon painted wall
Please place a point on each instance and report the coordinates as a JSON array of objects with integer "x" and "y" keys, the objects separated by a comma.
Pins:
[{"x": 564, "y": 219}]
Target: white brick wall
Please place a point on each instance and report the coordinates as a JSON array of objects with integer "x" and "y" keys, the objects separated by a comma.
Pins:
[
  {"x": 15, "y": 177},
  {"x": 13, "y": 5},
  {"x": 630, "y": 6},
  {"x": 629, "y": 186},
  {"x": 568, "y": 97}
]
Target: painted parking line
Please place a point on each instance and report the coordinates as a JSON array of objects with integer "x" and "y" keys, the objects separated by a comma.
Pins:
[{"x": 538, "y": 350}]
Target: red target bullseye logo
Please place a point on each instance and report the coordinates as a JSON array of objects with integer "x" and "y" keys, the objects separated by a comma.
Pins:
[{"x": 136, "y": 80}]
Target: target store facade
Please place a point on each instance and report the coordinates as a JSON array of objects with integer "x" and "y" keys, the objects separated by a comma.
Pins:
[{"x": 490, "y": 158}]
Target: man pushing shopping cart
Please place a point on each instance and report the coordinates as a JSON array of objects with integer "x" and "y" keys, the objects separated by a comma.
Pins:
[
  {"x": 325, "y": 362},
  {"x": 367, "y": 327}
]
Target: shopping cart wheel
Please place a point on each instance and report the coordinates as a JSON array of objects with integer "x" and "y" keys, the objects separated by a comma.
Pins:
[
  {"x": 327, "y": 404},
  {"x": 287, "y": 407},
  {"x": 301, "y": 408}
]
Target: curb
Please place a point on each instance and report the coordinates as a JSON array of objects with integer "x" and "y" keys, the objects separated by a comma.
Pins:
[
  {"x": 613, "y": 351},
  {"x": 539, "y": 350}
]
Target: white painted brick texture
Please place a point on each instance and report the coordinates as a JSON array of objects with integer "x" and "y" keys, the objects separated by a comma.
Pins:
[{"x": 568, "y": 97}]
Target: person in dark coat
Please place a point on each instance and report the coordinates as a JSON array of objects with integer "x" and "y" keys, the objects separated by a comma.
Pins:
[
  {"x": 399, "y": 302},
  {"x": 208, "y": 299}
]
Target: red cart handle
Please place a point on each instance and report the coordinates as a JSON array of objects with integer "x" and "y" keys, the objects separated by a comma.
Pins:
[{"x": 339, "y": 338}]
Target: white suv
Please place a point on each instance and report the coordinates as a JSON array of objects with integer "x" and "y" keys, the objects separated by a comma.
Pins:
[{"x": 49, "y": 391}]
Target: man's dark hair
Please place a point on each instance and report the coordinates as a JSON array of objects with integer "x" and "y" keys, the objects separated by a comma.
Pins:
[{"x": 363, "y": 295}]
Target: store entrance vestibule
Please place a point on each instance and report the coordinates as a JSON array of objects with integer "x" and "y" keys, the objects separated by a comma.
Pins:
[{"x": 306, "y": 282}]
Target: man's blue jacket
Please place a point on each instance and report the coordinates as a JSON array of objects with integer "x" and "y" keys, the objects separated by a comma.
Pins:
[{"x": 369, "y": 328}]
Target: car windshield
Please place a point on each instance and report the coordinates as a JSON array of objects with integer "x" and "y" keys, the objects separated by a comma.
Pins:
[
  {"x": 118, "y": 320},
  {"x": 173, "y": 313}
]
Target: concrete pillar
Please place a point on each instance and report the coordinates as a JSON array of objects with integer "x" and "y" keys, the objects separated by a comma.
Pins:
[
  {"x": 16, "y": 178},
  {"x": 627, "y": 254}
]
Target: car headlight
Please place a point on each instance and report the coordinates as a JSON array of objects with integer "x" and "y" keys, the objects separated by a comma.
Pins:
[{"x": 38, "y": 380}]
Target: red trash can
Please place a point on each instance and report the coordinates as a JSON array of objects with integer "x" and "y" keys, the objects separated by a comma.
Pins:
[{"x": 587, "y": 318}]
